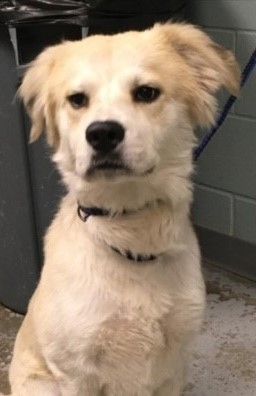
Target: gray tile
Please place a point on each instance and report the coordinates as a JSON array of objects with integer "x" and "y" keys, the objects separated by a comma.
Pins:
[
  {"x": 226, "y": 38},
  {"x": 212, "y": 209},
  {"x": 245, "y": 219},
  {"x": 246, "y": 42},
  {"x": 227, "y": 14},
  {"x": 231, "y": 253},
  {"x": 229, "y": 162}
]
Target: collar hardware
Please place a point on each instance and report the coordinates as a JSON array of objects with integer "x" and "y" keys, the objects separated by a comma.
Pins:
[{"x": 84, "y": 212}]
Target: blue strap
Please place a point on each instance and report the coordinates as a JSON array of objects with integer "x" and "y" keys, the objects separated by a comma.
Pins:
[{"x": 231, "y": 100}]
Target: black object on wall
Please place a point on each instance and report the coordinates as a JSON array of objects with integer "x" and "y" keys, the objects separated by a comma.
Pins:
[
  {"x": 30, "y": 188},
  {"x": 114, "y": 16}
]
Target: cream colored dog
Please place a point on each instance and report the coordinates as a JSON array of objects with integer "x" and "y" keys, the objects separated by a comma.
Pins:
[{"x": 121, "y": 295}]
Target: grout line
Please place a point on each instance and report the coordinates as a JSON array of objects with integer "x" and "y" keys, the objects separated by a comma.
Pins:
[
  {"x": 242, "y": 117},
  {"x": 215, "y": 190},
  {"x": 235, "y": 42},
  {"x": 232, "y": 216},
  {"x": 245, "y": 199},
  {"x": 226, "y": 193},
  {"x": 229, "y": 29},
  {"x": 219, "y": 30}
]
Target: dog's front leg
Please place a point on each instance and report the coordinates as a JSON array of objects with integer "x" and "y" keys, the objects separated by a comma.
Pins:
[
  {"x": 174, "y": 385},
  {"x": 36, "y": 387}
]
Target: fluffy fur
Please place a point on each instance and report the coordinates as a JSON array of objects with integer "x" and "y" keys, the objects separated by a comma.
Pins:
[{"x": 99, "y": 324}]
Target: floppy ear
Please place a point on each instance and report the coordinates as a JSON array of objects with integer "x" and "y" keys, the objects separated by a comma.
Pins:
[
  {"x": 212, "y": 66},
  {"x": 35, "y": 94}
]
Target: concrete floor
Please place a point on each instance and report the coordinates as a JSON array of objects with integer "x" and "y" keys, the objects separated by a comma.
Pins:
[
  {"x": 224, "y": 361},
  {"x": 9, "y": 324},
  {"x": 225, "y": 358}
]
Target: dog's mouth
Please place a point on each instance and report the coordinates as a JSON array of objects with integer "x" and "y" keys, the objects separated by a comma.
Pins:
[
  {"x": 107, "y": 167},
  {"x": 112, "y": 167}
]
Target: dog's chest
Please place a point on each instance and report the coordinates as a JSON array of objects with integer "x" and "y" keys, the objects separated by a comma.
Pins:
[
  {"x": 124, "y": 349},
  {"x": 118, "y": 330},
  {"x": 127, "y": 336},
  {"x": 111, "y": 338}
]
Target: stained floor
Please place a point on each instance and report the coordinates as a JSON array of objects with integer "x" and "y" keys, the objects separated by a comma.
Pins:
[
  {"x": 225, "y": 358},
  {"x": 224, "y": 361}
]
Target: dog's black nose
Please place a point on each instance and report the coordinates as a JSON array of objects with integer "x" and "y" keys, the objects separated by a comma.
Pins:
[{"x": 104, "y": 136}]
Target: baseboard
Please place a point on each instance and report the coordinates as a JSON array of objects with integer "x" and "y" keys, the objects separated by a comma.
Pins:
[{"x": 230, "y": 253}]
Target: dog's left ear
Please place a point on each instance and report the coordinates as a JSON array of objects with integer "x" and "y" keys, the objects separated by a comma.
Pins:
[
  {"x": 211, "y": 66},
  {"x": 35, "y": 94}
]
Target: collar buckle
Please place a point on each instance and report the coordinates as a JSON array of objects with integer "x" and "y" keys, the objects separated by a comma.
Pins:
[
  {"x": 81, "y": 213},
  {"x": 84, "y": 212}
]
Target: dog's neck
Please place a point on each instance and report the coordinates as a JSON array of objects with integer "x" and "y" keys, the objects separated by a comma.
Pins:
[
  {"x": 85, "y": 213},
  {"x": 146, "y": 216},
  {"x": 150, "y": 231},
  {"x": 118, "y": 198}
]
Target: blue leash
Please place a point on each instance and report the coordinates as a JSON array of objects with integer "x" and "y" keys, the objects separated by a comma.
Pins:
[{"x": 231, "y": 100}]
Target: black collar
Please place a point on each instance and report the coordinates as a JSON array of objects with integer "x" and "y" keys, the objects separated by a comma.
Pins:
[
  {"x": 85, "y": 212},
  {"x": 135, "y": 257}
]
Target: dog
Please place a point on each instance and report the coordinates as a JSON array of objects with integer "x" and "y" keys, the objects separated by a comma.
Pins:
[{"x": 121, "y": 295}]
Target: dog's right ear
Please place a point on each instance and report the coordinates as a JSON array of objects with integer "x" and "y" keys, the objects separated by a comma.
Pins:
[
  {"x": 211, "y": 68},
  {"x": 35, "y": 94}
]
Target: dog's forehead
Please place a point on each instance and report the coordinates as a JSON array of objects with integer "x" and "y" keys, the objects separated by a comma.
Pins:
[
  {"x": 99, "y": 57},
  {"x": 127, "y": 47}
]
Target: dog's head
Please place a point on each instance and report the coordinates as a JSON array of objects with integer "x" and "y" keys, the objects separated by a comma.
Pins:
[{"x": 124, "y": 106}]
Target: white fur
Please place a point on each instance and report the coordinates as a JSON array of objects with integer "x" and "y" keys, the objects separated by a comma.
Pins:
[{"x": 99, "y": 324}]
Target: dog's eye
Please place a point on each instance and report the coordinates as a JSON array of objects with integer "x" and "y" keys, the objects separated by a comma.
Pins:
[
  {"x": 145, "y": 94},
  {"x": 78, "y": 100}
]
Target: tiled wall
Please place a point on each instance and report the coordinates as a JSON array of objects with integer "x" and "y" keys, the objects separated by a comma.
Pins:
[{"x": 225, "y": 196}]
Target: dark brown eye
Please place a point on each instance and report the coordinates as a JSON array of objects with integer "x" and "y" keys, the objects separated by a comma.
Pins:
[
  {"x": 78, "y": 100},
  {"x": 145, "y": 94}
]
